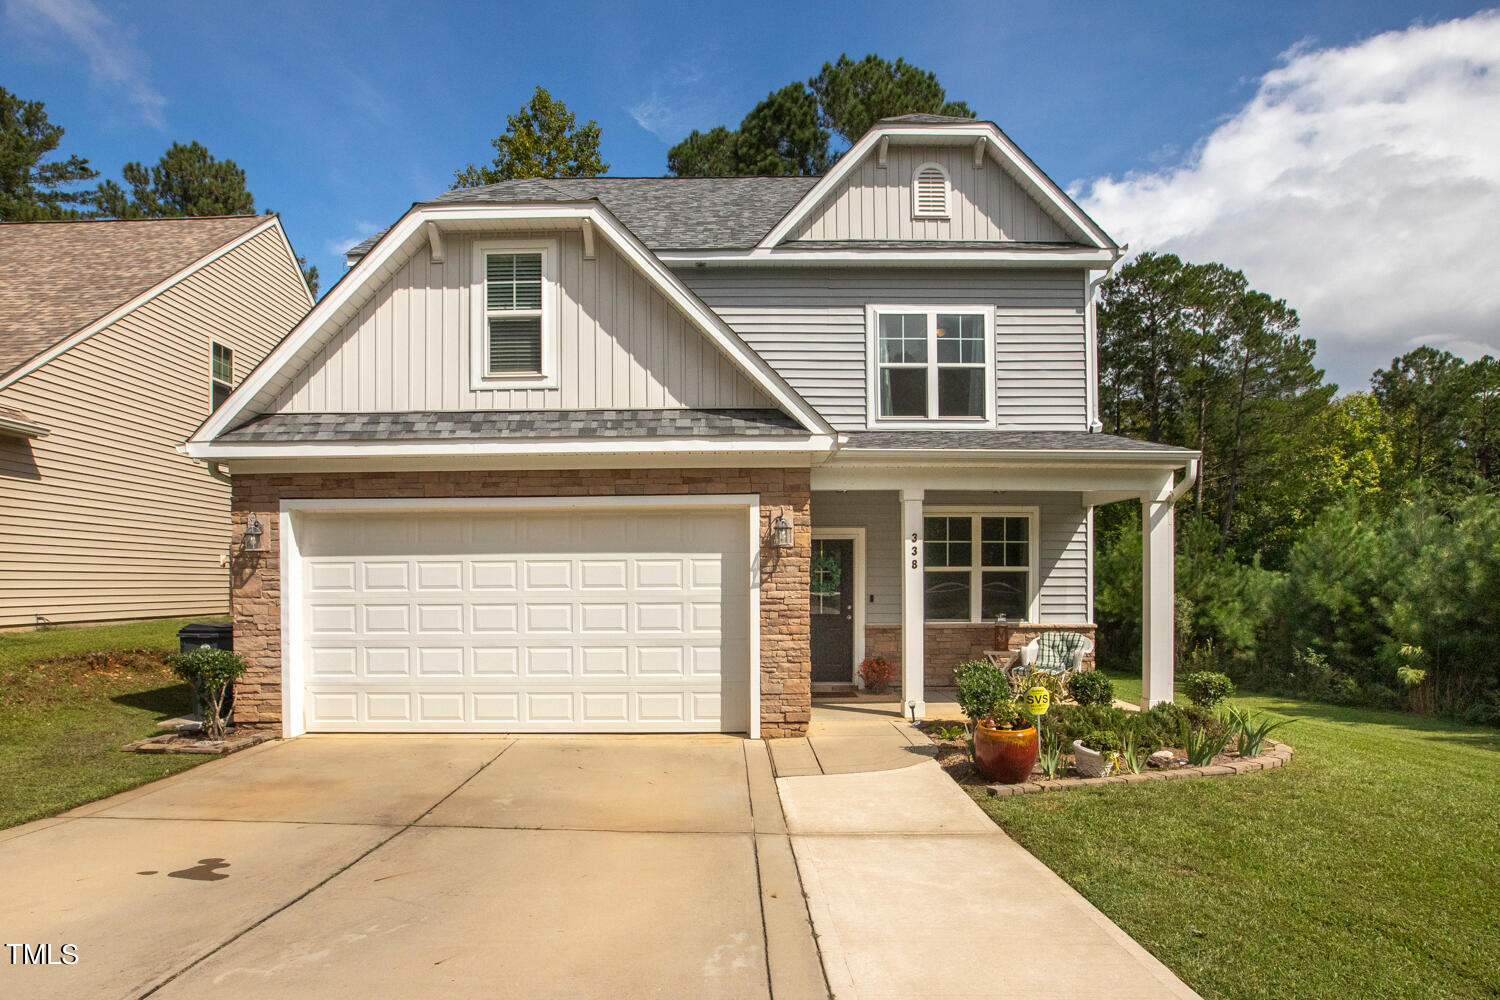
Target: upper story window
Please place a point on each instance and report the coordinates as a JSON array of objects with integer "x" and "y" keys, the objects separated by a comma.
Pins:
[
  {"x": 979, "y": 564},
  {"x": 220, "y": 374},
  {"x": 929, "y": 192},
  {"x": 931, "y": 365},
  {"x": 515, "y": 317}
]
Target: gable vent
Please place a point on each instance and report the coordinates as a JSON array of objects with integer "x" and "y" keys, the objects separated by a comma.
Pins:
[{"x": 929, "y": 192}]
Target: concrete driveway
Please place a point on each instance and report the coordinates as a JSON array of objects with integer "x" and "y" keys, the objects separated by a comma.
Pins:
[{"x": 410, "y": 866}]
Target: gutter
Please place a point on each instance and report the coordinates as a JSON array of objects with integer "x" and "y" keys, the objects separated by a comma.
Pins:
[
  {"x": 16, "y": 427},
  {"x": 1091, "y": 291},
  {"x": 1180, "y": 490}
]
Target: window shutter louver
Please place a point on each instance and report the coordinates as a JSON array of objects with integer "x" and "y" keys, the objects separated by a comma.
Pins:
[
  {"x": 515, "y": 345},
  {"x": 930, "y": 192},
  {"x": 513, "y": 284}
]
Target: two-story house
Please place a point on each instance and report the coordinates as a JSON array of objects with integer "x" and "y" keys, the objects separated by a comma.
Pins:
[
  {"x": 117, "y": 339},
  {"x": 663, "y": 454}
]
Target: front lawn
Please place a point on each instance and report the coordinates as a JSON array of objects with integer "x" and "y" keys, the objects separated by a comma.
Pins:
[
  {"x": 69, "y": 699},
  {"x": 1368, "y": 868}
]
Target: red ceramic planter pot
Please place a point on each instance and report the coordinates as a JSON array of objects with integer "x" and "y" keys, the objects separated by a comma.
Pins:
[{"x": 1005, "y": 755}]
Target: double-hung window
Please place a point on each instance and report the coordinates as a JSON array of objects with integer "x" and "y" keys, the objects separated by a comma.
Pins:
[
  {"x": 514, "y": 314},
  {"x": 932, "y": 365},
  {"x": 220, "y": 374},
  {"x": 979, "y": 565}
]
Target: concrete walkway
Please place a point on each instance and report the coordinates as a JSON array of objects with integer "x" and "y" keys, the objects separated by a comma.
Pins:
[{"x": 915, "y": 893}]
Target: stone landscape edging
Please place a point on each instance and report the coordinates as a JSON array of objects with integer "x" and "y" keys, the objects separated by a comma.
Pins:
[{"x": 1277, "y": 756}]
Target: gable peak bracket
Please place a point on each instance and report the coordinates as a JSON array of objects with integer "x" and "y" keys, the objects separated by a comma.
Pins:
[
  {"x": 885, "y": 144},
  {"x": 979, "y": 148},
  {"x": 435, "y": 242},
  {"x": 588, "y": 239}
]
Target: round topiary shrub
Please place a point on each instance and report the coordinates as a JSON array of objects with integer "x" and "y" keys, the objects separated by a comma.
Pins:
[
  {"x": 1091, "y": 688},
  {"x": 1207, "y": 689}
]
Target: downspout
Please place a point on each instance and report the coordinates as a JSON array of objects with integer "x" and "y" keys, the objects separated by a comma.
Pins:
[
  {"x": 1180, "y": 490},
  {"x": 218, "y": 473},
  {"x": 1091, "y": 359}
]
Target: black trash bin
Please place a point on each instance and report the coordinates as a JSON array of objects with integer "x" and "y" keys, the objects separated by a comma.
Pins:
[{"x": 208, "y": 635}]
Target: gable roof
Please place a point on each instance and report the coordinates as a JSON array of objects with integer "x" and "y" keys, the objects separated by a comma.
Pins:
[
  {"x": 423, "y": 225},
  {"x": 62, "y": 277},
  {"x": 665, "y": 213},
  {"x": 923, "y": 129}
]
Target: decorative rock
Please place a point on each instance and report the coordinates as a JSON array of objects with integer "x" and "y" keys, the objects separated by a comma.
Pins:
[{"x": 1163, "y": 756}]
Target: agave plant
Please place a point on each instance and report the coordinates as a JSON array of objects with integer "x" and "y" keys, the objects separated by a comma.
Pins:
[
  {"x": 1201, "y": 743},
  {"x": 1251, "y": 732}
]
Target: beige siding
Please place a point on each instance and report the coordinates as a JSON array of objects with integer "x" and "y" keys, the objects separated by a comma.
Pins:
[
  {"x": 875, "y": 203},
  {"x": 103, "y": 519},
  {"x": 810, "y": 326},
  {"x": 621, "y": 345}
]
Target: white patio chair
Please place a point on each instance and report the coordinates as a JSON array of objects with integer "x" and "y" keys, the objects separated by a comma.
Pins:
[{"x": 1024, "y": 658}]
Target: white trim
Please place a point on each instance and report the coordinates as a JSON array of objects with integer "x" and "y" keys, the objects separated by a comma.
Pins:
[
  {"x": 437, "y": 251},
  {"x": 367, "y": 275},
  {"x": 213, "y": 379},
  {"x": 293, "y": 721},
  {"x": 121, "y": 311},
  {"x": 517, "y": 447},
  {"x": 976, "y": 568},
  {"x": 917, "y": 212},
  {"x": 1007, "y": 152},
  {"x": 873, "y": 312},
  {"x": 480, "y": 377},
  {"x": 936, "y": 256},
  {"x": 857, "y": 535}
]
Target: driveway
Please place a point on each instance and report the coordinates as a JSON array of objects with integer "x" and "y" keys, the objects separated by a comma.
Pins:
[{"x": 409, "y": 866}]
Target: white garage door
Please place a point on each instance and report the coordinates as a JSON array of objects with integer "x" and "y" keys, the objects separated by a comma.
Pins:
[{"x": 581, "y": 621}]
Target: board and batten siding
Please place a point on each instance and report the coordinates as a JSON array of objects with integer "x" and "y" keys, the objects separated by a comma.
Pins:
[
  {"x": 809, "y": 325},
  {"x": 621, "y": 344},
  {"x": 1063, "y": 563},
  {"x": 875, "y": 203},
  {"x": 102, "y": 519}
]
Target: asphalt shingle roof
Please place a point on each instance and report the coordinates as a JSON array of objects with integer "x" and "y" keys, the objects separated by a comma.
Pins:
[
  {"x": 934, "y": 245},
  {"x": 979, "y": 440},
  {"x": 431, "y": 425},
  {"x": 58, "y": 277},
  {"x": 665, "y": 213}
]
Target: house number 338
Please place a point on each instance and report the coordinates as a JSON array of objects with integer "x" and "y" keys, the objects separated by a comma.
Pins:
[{"x": 914, "y": 550}]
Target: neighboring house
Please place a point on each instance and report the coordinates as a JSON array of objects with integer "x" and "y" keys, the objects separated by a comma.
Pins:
[
  {"x": 664, "y": 454},
  {"x": 117, "y": 339}
]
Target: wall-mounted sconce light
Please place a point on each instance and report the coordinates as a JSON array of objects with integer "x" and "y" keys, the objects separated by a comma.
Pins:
[
  {"x": 781, "y": 532},
  {"x": 253, "y": 532}
]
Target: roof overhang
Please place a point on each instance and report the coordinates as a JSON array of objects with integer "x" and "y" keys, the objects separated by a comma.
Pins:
[
  {"x": 995, "y": 143},
  {"x": 14, "y": 423},
  {"x": 1091, "y": 258},
  {"x": 417, "y": 228},
  {"x": 1096, "y": 475},
  {"x": 511, "y": 448}
]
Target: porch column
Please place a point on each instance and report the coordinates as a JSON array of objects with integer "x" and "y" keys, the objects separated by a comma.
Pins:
[
  {"x": 912, "y": 610},
  {"x": 1158, "y": 589}
]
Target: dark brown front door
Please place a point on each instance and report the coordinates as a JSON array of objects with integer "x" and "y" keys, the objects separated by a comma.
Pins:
[{"x": 832, "y": 597}]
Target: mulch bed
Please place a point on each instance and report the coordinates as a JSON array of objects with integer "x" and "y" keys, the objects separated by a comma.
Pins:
[
  {"x": 195, "y": 742},
  {"x": 953, "y": 757}
]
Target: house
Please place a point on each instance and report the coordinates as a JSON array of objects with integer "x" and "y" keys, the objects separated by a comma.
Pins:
[
  {"x": 117, "y": 339},
  {"x": 666, "y": 454}
]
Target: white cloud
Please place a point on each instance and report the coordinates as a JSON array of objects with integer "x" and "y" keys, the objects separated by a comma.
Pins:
[
  {"x": 1361, "y": 184},
  {"x": 682, "y": 99},
  {"x": 114, "y": 58},
  {"x": 340, "y": 245}
]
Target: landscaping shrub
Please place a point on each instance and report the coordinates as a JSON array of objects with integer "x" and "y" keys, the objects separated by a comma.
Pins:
[
  {"x": 984, "y": 692},
  {"x": 1207, "y": 689},
  {"x": 210, "y": 672},
  {"x": 876, "y": 672},
  {"x": 1091, "y": 688},
  {"x": 1102, "y": 742}
]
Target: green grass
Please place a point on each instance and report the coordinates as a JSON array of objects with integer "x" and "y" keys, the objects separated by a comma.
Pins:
[
  {"x": 1369, "y": 868},
  {"x": 62, "y": 723}
]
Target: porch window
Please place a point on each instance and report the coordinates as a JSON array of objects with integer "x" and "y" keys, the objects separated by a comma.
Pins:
[
  {"x": 931, "y": 365},
  {"x": 978, "y": 565}
]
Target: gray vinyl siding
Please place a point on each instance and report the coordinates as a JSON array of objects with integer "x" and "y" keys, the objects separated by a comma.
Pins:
[
  {"x": 875, "y": 203},
  {"x": 1062, "y": 560},
  {"x": 809, "y": 324},
  {"x": 621, "y": 344},
  {"x": 102, "y": 518}
]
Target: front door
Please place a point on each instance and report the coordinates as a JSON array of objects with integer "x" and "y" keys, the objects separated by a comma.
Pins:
[{"x": 832, "y": 597}]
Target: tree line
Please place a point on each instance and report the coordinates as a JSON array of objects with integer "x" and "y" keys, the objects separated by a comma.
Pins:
[
  {"x": 1344, "y": 547},
  {"x": 187, "y": 180}
]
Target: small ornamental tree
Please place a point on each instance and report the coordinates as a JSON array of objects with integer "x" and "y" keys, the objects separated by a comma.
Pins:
[
  {"x": 1207, "y": 689},
  {"x": 210, "y": 673}
]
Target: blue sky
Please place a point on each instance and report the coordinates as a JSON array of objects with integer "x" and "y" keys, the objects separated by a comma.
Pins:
[{"x": 343, "y": 116}]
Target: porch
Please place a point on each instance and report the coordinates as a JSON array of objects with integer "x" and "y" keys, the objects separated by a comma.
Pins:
[{"x": 928, "y": 569}]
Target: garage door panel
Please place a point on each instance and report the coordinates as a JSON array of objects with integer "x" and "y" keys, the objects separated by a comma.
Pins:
[{"x": 605, "y": 622}]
